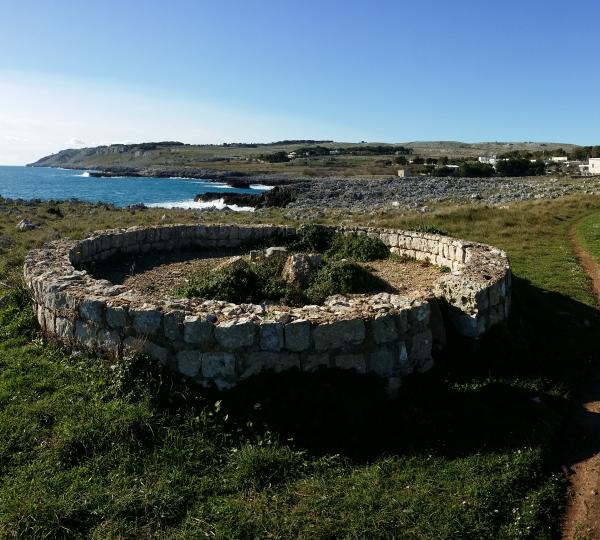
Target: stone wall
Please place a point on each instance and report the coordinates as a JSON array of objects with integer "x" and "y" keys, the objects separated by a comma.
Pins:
[{"x": 215, "y": 342}]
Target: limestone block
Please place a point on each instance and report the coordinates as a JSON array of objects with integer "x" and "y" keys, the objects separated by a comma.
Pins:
[
  {"x": 218, "y": 365},
  {"x": 109, "y": 341},
  {"x": 494, "y": 292},
  {"x": 351, "y": 361},
  {"x": 173, "y": 325},
  {"x": 189, "y": 363},
  {"x": 136, "y": 345},
  {"x": 235, "y": 334},
  {"x": 64, "y": 328},
  {"x": 275, "y": 361},
  {"x": 297, "y": 335},
  {"x": 116, "y": 316},
  {"x": 384, "y": 328},
  {"x": 92, "y": 309},
  {"x": 339, "y": 334},
  {"x": 271, "y": 336},
  {"x": 314, "y": 361},
  {"x": 405, "y": 364},
  {"x": 383, "y": 362},
  {"x": 196, "y": 329},
  {"x": 146, "y": 321},
  {"x": 419, "y": 312},
  {"x": 85, "y": 333},
  {"x": 421, "y": 346},
  {"x": 49, "y": 317}
]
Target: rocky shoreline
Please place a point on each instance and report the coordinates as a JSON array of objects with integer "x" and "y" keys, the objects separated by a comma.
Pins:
[{"x": 365, "y": 193}]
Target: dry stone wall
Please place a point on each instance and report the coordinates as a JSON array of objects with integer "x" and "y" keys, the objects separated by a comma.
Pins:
[{"x": 215, "y": 342}]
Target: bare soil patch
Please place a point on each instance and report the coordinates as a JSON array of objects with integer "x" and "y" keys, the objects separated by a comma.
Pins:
[
  {"x": 582, "y": 516},
  {"x": 159, "y": 274}
]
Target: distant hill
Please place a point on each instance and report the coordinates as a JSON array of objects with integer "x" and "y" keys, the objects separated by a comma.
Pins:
[{"x": 246, "y": 157}]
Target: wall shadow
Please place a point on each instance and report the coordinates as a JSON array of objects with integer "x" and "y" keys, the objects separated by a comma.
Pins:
[
  {"x": 511, "y": 389},
  {"x": 497, "y": 393}
]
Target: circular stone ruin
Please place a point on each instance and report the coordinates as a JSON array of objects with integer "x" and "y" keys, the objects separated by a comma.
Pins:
[{"x": 216, "y": 342}]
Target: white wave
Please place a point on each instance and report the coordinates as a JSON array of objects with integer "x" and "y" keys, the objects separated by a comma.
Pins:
[
  {"x": 218, "y": 204},
  {"x": 261, "y": 187},
  {"x": 83, "y": 175}
]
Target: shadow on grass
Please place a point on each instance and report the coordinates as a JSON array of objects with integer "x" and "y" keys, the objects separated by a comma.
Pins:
[{"x": 509, "y": 390}]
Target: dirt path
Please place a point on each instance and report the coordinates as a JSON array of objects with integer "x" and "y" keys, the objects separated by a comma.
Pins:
[{"x": 582, "y": 516}]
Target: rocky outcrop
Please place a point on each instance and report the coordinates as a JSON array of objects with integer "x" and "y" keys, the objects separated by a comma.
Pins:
[{"x": 219, "y": 343}]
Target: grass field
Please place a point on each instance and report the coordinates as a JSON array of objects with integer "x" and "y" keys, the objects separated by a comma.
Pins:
[{"x": 469, "y": 451}]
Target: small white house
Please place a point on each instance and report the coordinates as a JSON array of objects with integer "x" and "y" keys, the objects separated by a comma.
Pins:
[
  {"x": 488, "y": 160},
  {"x": 292, "y": 155},
  {"x": 559, "y": 159},
  {"x": 594, "y": 166}
]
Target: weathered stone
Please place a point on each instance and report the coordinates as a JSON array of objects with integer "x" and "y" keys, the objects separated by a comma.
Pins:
[
  {"x": 339, "y": 334},
  {"x": 116, "y": 316},
  {"x": 383, "y": 362},
  {"x": 351, "y": 361},
  {"x": 136, "y": 345},
  {"x": 197, "y": 329},
  {"x": 405, "y": 364},
  {"x": 146, "y": 321},
  {"x": 384, "y": 328},
  {"x": 109, "y": 341},
  {"x": 218, "y": 365},
  {"x": 275, "y": 361},
  {"x": 85, "y": 333},
  {"x": 297, "y": 335},
  {"x": 275, "y": 252},
  {"x": 173, "y": 325},
  {"x": 271, "y": 336},
  {"x": 421, "y": 345},
  {"x": 64, "y": 328},
  {"x": 92, "y": 310},
  {"x": 301, "y": 267},
  {"x": 236, "y": 334},
  {"x": 189, "y": 362},
  {"x": 312, "y": 362}
]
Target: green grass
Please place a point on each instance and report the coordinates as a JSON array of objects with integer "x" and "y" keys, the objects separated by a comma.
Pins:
[
  {"x": 471, "y": 451},
  {"x": 588, "y": 234}
]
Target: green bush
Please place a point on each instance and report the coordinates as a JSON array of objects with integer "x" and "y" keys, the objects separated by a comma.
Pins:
[
  {"x": 244, "y": 282},
  {"x": 342, "y": 277},
  {"x": 236, "y": 283},
  {"x": 313, "y": 239},
  {"x": 361, "y": 248}
]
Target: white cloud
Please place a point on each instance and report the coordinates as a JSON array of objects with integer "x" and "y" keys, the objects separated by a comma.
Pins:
[
  {"x": 12, "y": 138},
  {"x": 74, "y": 141}
]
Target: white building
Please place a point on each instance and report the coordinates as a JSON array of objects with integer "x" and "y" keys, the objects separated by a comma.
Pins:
[
  {"x": 488, "y": 160},
  {"x": 594, "y": 166},
  {"x": 559, "y": 159}
]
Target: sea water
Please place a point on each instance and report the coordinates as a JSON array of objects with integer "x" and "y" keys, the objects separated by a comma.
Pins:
[{"x": 60, "y": 184}]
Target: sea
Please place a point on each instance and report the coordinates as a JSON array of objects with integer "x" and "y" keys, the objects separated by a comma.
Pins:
[{"x": 62, "y": 184}]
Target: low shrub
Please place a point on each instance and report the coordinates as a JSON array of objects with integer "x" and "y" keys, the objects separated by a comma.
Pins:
[
  {"x": 361, "y": 248},
  {"x": 235, "y": 283},
  {"x": 245, "y": 281},
  {"x": 342, "y": 277},
  {"x": 313, "y": 239}
]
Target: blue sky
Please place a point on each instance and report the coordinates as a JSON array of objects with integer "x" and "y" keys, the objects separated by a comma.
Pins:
[{"x": 75, "y": 73}]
